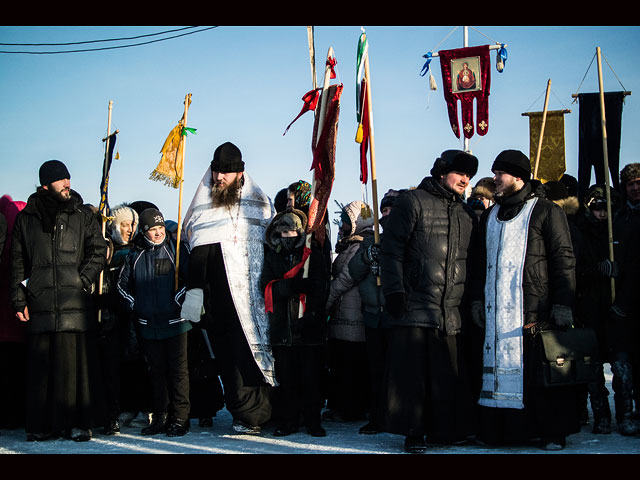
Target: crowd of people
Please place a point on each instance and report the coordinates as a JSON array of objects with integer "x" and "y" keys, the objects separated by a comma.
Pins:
[{"x": 427, "y": 329}]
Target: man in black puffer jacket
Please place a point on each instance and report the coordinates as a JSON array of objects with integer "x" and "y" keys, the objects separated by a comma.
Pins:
[
  {"x": 525, "y": 274},
  {"x": 57, "y": 254},
  {"x": 423, "y": 273}
]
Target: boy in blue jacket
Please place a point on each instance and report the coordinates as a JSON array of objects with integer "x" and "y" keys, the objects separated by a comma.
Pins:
[{"x": 147, "y": 282}]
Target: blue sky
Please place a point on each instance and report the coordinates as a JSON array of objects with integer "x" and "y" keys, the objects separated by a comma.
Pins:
[{"x": 247, "y": 84}]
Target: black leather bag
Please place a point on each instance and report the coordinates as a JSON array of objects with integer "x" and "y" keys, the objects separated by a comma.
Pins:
[{"x": 567, "y": 357}]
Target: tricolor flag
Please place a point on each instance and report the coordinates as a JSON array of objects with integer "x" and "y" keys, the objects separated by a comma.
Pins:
[{"x": 362, "y": 107}]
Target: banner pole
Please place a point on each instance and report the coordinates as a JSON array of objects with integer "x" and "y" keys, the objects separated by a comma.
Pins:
[
  {"x": 187, "y": 100},
  {"x": 103, "y": 213},
  {"x": 544, "y": 121},
  {"x": 606, "y": 167}
]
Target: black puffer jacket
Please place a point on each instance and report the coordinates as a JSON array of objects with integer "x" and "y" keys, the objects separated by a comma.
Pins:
[
  {"x": 60, "y": 265},
  {"x": 424, "y": 255},
  {"x": 147, "y": 282},
  {"x": 549, "y": 266}
]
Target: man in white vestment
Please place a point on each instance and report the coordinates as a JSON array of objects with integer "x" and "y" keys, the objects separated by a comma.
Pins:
[
  {"x": 526, "y": 251},
  {"x": 225, "y": 228}
]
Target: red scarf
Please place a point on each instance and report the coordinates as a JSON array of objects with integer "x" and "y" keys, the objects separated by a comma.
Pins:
[{"x": 268, "y": 295}]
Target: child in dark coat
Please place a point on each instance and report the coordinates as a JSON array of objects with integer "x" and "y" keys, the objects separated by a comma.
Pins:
[
  {"x": 147, "y": 282},
  {"x": 297, "y": 340}
]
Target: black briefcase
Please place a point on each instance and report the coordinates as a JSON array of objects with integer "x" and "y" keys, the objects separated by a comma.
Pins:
[{"x": 567, "y": 357}]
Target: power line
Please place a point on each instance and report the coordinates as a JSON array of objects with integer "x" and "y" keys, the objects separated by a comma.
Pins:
[
  {"x": 108, "y": 40},
  {"x": 93, "y": 41}
]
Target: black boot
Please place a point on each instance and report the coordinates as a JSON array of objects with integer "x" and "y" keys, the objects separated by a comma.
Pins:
[
  {"x": 112, "y": 427},
  {"x": 178, "y": 428},
  {"x": 623, "y": 390},
  {"x": 601, "y": 414},
  {"x": 602, "y": 425},
  {"x": 415, "y": 444},
  {"x": 158, "y": 424}
]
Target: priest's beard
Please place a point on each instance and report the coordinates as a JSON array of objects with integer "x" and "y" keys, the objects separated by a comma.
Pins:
[
  {"x": 228, "y": 195},
  {"x": 507, "y": 191}
]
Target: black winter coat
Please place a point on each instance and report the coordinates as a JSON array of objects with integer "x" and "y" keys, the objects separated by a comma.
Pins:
[
  {"x": 286, "y": 329},
  {"x": 549, "y": 266},
  {"x": 590, "y": 240},
  {"x": 424, "y": 254},
  {"x": 626, "y": 236},
  {"x": 61, "y": 265},
  {"x": 147, "y": 282},
  {"x": 360, "y": 269}
]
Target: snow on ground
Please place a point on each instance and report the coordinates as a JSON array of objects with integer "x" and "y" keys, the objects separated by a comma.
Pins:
[{"x": 342, "y": 438}]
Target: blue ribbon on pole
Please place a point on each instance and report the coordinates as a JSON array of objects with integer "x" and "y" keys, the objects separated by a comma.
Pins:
[
  {"x": 502, "y": 53},
  {"x": 425, "y": 67}
]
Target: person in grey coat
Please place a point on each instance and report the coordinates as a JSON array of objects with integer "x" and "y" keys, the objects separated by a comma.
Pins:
[
  {"x": 348, "y": 394},
  {"x": 364, "y": 268}
]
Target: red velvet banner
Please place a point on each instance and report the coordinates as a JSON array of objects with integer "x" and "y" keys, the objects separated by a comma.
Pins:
[{"x": 466, "y": 75}]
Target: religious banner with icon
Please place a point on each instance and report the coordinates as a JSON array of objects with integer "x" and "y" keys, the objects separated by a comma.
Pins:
[{"x": 466, "y": 76}]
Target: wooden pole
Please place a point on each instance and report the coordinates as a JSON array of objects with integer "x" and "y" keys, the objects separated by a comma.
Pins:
[
  {"x": 187, "y": 100},
  {"x": 465, "y": 43},
  {"x": 103, "y": 213},
  {"x": 312, "y": 57},
  {"x": 372, "y": 150},
  {"x": 323, "y": 98},
  {"x": 372, "y": 157},
  {"x": 606, "y": 167},
  {"x": 321, "y": 114},
  {"x": 544, "y": 121}
]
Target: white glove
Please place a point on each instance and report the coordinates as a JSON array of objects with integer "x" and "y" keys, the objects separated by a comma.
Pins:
[{"x": 193, "y": 305}]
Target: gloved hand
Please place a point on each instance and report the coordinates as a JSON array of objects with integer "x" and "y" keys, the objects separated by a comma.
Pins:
[
  {"x": 396, "y": 304},
  {"x": 607, "y": 268},
  {"x": 562, "y": 315},
  {"x": 193, "y": 305},
  {"x": 477, "y": 313},
  {"x": 372, "y": 253},
  {"x": 301, "y": 285}
]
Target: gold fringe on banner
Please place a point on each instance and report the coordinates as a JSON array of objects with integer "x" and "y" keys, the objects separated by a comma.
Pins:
[
  {"x": 170, "y": 166},
  {"x": 552, "y": 163}
]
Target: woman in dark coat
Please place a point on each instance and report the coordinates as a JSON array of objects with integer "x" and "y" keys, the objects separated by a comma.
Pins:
[
  {"x": 590, "y": 237},
  {"x": 297, "y": 342},
  {"x": 12, "y": 341}
]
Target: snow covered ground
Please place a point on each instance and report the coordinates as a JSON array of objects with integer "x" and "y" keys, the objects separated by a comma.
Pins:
[{"x": 342, "y": 438}]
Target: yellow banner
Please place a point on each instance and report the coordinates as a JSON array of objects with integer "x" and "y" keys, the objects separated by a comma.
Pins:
[
  {"x": 170, "y": 166},
  {"x": 552, "y": 163}
]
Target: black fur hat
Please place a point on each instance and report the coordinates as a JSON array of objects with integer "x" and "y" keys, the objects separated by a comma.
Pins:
[{"x": 455, "y": 161}]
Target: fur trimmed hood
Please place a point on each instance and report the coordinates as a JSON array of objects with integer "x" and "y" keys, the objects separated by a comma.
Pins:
[
  {"x": 287, "y": 220},
  {"x": 359, "y": 223},
  {"x": 570, "y": 205}
]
